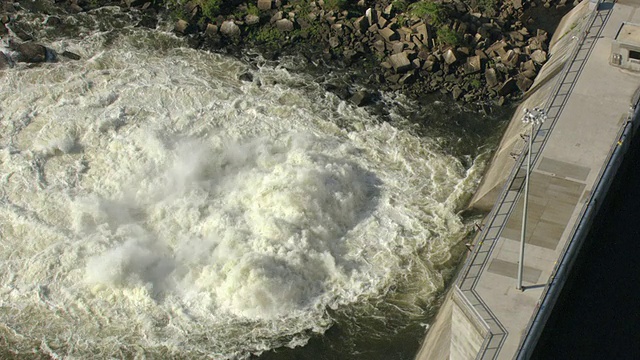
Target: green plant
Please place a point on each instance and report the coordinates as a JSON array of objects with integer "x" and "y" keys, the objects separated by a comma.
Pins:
[
  {"x": 267, "y": 35},
  {"x": 399, "y": 5},
  {"x": 252, "y": 9},
  {"x": 448, "y": 36},
  {"x": 475, "y": 83},
  {"x": 487, "y": 6},
  {"x": 427, "y": 9},
  {"x": 210, "y": 8}
]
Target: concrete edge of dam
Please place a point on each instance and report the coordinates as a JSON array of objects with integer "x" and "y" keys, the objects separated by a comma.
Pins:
[{"x": 483, "y": 315}]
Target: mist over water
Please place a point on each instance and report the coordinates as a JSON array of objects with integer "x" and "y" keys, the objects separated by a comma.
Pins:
[{"x": 152, "y": 203}]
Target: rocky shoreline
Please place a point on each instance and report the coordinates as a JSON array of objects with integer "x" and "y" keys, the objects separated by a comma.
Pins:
[{"x": 478, "y": 52}]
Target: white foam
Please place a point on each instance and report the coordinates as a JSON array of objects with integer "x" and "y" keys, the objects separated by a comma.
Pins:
[{"x": 160, "y": 202}]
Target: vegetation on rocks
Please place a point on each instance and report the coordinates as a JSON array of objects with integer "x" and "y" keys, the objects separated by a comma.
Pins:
[{"x": 475, "y": 51}]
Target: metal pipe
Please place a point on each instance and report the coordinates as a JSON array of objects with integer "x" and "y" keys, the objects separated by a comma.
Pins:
[{"x": 524, "y": 212}]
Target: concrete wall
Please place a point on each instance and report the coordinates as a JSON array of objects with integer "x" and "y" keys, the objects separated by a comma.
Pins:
[
  {"x": 561, "y": 45},
  {"x": 458, "y": 332}
]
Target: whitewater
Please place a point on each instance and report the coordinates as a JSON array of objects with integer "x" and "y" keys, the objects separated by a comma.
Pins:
[{"x": 153, "y": 204}]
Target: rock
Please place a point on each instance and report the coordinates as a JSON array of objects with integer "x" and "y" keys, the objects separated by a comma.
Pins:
[
  {"x": 407, "y": 78},
  {"x": 230, "y": 29},
  {"x": 423, "y": 33},
  {"x": 530, "y": 74},
  {"x": 379, "y": 46},
  {"x": 5, "y": 62},
  {"x": 517, "y": 4},
  {"x": 251, "y": 19},
  {"x": 30, "y": 52},
  {"x": 523, "y": 83},
  {"x": 372, "y": 16},
  {"x": 246, "y": 76},
  {"x": 264, "y": 5},
  {"x": 277, "y": 16},
  {"x": 182, "y": 27},
  {"x": 510, "y": 58},
  {"x": 450, "y": 56},
  {"x": 473, "y": 65},
  {"x": 211, "y": 30},
  {"x": 20, "y": 33},
  {"x": 389, "y": 34},
  {"x": 539, "y": 57},
  {"x": 285, "y": 25},
  {"x": 5, "y": 19},
  {"x": 397, "y": 47},
  {"x": 70, "y": 55},
  {"x": 53, "y": 21},
  {"x": 456, "y": 92},
  {"x": 400, "y": 62},
  {"x": 528, "y": 65},
  {"x": 334, "y": 42},
  {"x": 361, "y": 24},
  {"x": 3, "y": 30},
  {"x": 360, "y": 98},
  {"x": 507, "y": 87}
]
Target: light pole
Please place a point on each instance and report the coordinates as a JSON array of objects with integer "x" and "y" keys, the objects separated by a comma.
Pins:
[{"x": 534, "y": 117}]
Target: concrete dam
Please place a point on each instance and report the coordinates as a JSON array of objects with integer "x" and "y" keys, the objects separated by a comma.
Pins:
[{"x": 546, "y": 182}]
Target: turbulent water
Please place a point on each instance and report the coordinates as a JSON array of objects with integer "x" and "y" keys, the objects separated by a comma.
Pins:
[{"x": 152, "y": 203}]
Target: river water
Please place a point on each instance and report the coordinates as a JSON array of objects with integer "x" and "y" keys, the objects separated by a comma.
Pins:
[{"x": 154, "y": 205}]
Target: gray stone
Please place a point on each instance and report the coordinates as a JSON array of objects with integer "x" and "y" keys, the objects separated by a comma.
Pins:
[
  {"x": 539, "y": 57},
  {"x": 4, "y": 61},
  {"x": 407, "y": 78},
  {"x": 251, "y": 19},
  {"x": 450, "y": 56},
  {"x": 530, "y": 74},
  {"x": 524, "y": 83},
  {"x": 379, "y": 46},
  {"x": 473, "y": 65},
  {"x": 360, "y": 98},
  {"x": 456, "y": 92},
  {"x": 31, "y": 52},
  {"x": 181, "y": 27},
  {"x": 211, "y": 30},
  {"x": 264, "y": 5},
  {"x": 389, "y": 34},
  {"x": 400, "y": 62},
  {"x": 230, "y": 29},
  {"x": 284, "y": 25},
  {"x": 423, "y": 33},
  {"x": 277, "y": 16},
  {"x": 334, "y": 42},
  {"x": 397, "y": 47},
  {"x": 372, "y": 16},
  {"x": 507, "y": 87},
  {"x": 70, "y": 55},
  {"x": 361, "y": 24}
]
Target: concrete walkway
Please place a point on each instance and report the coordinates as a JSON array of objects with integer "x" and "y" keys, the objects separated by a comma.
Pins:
[{"x": 587, "y": 111}]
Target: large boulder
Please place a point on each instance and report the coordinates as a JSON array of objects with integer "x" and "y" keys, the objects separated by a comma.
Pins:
[
  {"x": 32, "y": 53},
  {"x": 400, "y": 62},
  {"x": 507, "y": 87},
  {"x": 388, "y": 34},
  {"x": 230, "y": 29},
  {"x": 264, "y": 5},
  {"x": 450, "y": 56},
  {"x": 473, "y": 65},
  {"x": 5, "y": 62},
  {"x": 523, "y": 83},
  {"x": 539, "y": 57},
  {"x": 285, "y": 25},
  {"x": 491, "y": 76}
]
